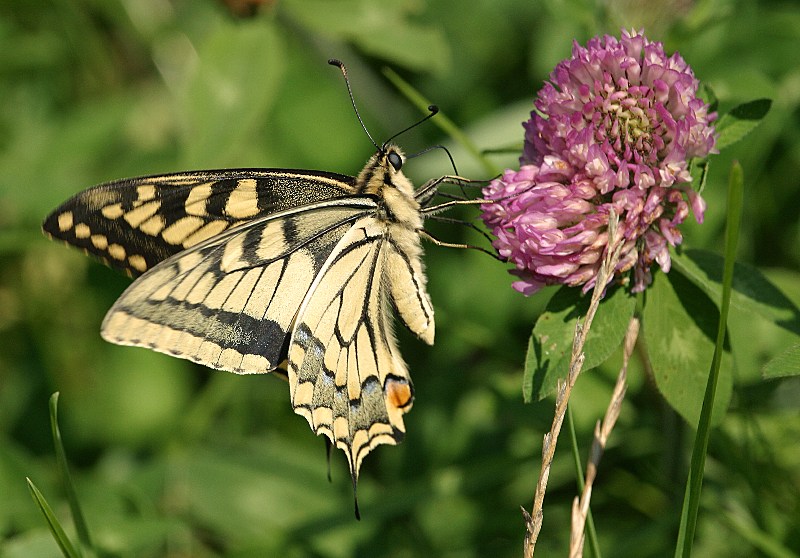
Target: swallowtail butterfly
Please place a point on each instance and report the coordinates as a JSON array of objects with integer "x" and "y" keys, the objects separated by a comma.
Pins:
[{"x": 257, "y": 270}]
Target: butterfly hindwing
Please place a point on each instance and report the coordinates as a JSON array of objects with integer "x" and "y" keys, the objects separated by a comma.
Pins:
[
  {"x": 346, "y": 375},
  {"x": 229, "y": 302},
  {"x": 133, "y": 224}
]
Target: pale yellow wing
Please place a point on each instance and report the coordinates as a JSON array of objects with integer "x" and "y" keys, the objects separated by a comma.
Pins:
[
  {"x": 346, "y": 375},
  {"x": 229, "y": 302}
]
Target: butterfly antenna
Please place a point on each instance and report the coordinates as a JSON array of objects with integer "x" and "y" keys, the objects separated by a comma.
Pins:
[
  {"x": 341, "y": 66},
  {"x": 432, "y": 147},
  {"x": 432, "y": 111}
]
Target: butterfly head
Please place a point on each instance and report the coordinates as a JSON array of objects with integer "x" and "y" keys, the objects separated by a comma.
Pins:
[
  {"x": 395, "y": 158},
  {"x": 383, "y": 172},
  {"x": 390, "y": 160}
]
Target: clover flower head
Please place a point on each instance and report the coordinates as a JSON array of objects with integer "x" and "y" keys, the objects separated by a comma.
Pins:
[{"x": 613, "y": 128}]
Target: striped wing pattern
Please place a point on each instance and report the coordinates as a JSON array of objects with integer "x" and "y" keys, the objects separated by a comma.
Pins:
[
  {"x": 135, "y": 223},
  {"x": 346, "y": 375},
  {"x": 250, "y": 270},
  {"x": 229, "y": 303}
]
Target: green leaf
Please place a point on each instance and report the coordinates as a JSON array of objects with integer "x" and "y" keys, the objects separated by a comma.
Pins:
[
  {"x": 752, "y": 291},
  {"x": 710, "y": 96},
  {"x": 785, "y": 364},
  {"x": 550, "y": 345},
  {"x": 740, "y": 121},
  {"x": 699, "y": 170},
  {"x": 67, "y": 549},
  {"x": 679, "y": 322}
]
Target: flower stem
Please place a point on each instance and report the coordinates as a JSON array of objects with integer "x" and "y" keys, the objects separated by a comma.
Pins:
[
  {"x": 591, "y": 533},
  {"x": 533, "y": 520},
  {"x": 602, "y": 431}
]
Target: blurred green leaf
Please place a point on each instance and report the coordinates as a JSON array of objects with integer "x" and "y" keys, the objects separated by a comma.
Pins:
[
  {"x": 34, "y": 542},
  {"x": 759, "y": 537},
  {"x": 232, "y": 84},
  {"x": 550, "y": 345},
  {"x": 383, "y": 30},
  {"x": 785, "y": 364},
  {"x": 752, "y": 291},
  {"x": 679, "y": 322},
  {"x": 740, "y": 121}
]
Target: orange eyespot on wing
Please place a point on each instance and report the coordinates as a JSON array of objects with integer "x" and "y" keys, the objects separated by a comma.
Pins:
[{"x": 399, "y": 393}]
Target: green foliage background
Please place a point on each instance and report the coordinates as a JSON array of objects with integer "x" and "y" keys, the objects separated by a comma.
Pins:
[{"x": 171, "y": 459}]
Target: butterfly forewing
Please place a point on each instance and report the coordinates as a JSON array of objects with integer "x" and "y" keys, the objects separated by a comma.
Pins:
[{"x": 135, "y": 223}]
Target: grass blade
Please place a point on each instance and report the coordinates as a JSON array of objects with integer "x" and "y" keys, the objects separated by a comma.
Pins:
[
  {"x": 55, "y": 527},
  {"x": 66, "y": 478},
  {"x": 591, "y": 532},
  {"x": 694, "y": 483}
]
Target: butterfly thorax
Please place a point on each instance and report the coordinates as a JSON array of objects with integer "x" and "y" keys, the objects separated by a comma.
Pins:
[{"x": 382, "y": 177}]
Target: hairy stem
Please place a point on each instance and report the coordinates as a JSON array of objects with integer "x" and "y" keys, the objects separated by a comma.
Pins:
[
  {"x": 602, "y": 430},
  {"x": 533, "y": 520}
]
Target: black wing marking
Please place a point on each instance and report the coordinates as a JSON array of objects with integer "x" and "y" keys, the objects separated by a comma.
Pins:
[
  {"x": 133, "y": 224},
  {"x": 346, "y": 375},
  {"x": 230, "y": 301}
]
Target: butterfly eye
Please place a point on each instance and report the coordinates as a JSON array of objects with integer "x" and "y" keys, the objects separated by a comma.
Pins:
[{"x": 395, "y": 160}]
